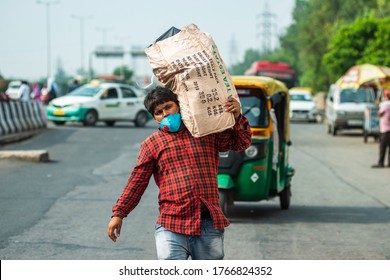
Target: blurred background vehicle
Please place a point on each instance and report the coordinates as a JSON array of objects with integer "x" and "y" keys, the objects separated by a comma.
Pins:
[
  {"x": 302, "y": 105},
  {"x": 353, "y": 100},
  {"x": 345, "y": 107},
  {"x": 97, "y": 101},
  {"x": 279, "y": 70},
  {"x": 13, "y": 90}
]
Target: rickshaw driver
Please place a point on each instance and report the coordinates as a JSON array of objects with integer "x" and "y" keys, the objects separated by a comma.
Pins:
[{"x": 185, "y": 170}]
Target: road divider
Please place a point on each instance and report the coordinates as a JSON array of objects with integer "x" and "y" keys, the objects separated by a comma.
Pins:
[{"x": 18, "y": 117}]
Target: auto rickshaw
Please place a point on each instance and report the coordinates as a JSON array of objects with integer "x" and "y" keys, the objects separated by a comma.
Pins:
[{"x": 262, "y": 171}]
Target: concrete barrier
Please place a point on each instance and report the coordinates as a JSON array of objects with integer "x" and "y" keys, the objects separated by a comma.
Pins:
[
  {"x": 17, "y": 117},
  {"x": 35, "y": 155}
]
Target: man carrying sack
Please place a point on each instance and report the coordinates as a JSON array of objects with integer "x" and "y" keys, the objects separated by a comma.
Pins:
[{"x": 183, "y": 158}]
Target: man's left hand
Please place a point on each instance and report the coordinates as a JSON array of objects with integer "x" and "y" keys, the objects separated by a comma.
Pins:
[{"x": 233, "y": 106}]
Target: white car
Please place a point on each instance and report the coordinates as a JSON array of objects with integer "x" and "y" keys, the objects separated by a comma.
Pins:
[
  {"x": 302, "y": 105},
  {"x": 93, "y": 102},
  {"x": 13, "y": 90}
]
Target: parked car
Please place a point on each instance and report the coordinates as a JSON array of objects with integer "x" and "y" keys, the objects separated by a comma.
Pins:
[
  {"x": 345, "y": 107},
  {"x": 96, "y": 101},
  {"x": 13, "y": 90},
  {"x": 302, "y": 105}
]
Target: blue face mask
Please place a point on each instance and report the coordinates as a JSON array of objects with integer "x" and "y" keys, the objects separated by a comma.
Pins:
[{"x": 171, "y": 123}]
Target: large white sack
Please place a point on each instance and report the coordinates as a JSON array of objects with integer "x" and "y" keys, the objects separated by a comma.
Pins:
[{"x": 190, "y": 65}]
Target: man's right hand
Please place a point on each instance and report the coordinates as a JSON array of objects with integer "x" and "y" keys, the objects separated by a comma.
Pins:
[{"x": 114, "y": 228}]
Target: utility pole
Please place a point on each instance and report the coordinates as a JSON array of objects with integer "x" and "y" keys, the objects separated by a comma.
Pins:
[
  {"x": 266, "y": 25},
  {"x": 48, "y": 50},
  {"x": 81, "y": 19}
]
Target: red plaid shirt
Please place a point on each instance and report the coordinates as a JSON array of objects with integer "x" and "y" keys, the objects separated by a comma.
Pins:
[{"x": 185, "y": 169}]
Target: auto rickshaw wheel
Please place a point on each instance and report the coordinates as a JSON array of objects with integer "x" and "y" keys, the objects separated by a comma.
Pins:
[
  {"x": 225, "y": 201},
  {"x": 285, "y": 197}
]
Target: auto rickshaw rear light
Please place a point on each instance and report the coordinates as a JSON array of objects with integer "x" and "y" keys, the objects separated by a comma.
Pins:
[{"x": 251, "y": 152}]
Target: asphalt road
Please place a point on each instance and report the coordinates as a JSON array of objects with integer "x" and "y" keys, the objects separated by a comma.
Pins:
[{"x": 60, "y": 209}]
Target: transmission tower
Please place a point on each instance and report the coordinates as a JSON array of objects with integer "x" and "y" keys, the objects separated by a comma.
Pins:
[{"x": 264, "y": 29}]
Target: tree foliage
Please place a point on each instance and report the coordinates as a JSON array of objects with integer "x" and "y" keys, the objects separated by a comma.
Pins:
[
  {"x": 327, "y": 37},
  {"x": 125, "y": 73},
  {"x": 347, "y": 47},
  {"x": 378, "y": 50},
  {"x": 250, "y": 56}
]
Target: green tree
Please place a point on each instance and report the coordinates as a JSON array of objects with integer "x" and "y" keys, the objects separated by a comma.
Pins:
[
  {"x": 378, "y": 49},
  {"x": 250, "y": 56},
  {"x": 311, "y": 36},
  {"x": 347, "y": 47},
  {"x": 125, "y": 73}
]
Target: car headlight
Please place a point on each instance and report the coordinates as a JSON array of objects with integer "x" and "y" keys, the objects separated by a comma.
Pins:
[
  {"x": 77, "y": 105},
  {"x": 252, "y": 151}
]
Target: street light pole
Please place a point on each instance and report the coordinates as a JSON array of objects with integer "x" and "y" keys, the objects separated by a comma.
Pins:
[
  {"x": 81, "y": 18},
  {"x": 48, "y": 4}
]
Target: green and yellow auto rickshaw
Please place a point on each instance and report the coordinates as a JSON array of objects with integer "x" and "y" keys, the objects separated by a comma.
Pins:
[{"x": 262, "y": 171}]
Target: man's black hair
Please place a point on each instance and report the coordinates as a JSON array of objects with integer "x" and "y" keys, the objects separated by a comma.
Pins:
[{"x": 158, "y": 96}]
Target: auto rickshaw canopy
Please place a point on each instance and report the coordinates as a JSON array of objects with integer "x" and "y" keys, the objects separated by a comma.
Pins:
[
  {"x": 364, "y": 75},
  {"x": 270, "y": 87}
]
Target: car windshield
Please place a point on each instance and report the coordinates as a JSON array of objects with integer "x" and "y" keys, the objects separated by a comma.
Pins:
[
  {"x": 85, "y": 91},
  {"x": 360, "y": 95},
  {"x": 300, "y": 97}
]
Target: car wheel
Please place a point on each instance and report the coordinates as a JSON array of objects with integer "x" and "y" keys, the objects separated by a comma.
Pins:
[
  {"x": 59, "y": 122},
  {"x": 285, "y": 197},
  {"x": 141, "y": 119},
  {"x": 90, "y": 118},
  {"x": 110, "y": 123}
]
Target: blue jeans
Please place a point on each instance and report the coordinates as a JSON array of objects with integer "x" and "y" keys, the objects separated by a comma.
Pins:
[{"x": 176, "y": 246}]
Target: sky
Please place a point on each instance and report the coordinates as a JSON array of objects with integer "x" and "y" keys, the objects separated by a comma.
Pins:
[{"x": 233, "y": 25}]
